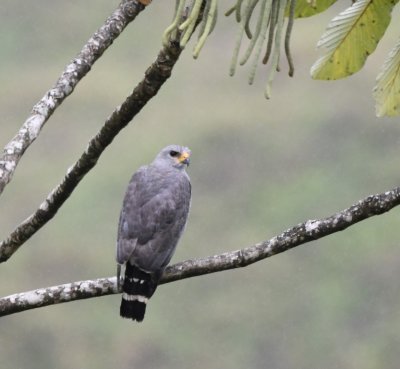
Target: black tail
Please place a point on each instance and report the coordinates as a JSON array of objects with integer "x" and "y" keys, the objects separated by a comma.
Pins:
[{"x": 138, "y": 287}]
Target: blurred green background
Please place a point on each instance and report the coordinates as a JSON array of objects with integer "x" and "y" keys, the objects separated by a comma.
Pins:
[{"x": 258, "y": 168}]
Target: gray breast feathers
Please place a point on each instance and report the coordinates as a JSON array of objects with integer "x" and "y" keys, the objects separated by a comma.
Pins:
[{"x": 153, "y": 216}]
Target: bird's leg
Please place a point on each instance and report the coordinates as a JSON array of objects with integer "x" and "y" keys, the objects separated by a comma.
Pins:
[{"x": 119, "y": 277}]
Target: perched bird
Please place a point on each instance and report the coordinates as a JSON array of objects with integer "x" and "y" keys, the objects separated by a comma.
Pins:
[{"x": 153, "y": 217}]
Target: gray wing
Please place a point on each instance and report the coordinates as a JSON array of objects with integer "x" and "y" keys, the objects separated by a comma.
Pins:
[
  {"x": 153, "y": 216},
  {"x": 125, "y": 242}
]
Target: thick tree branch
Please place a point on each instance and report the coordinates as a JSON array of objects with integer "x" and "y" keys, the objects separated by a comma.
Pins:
[
  {"x": 70, "y": 77},
  {"x": 154, "y": 78},
  {"x": 295, "y": 236}
]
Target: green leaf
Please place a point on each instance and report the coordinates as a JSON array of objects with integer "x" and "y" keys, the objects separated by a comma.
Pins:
[
  {"x": 387, "y": 89},
  {"x": 307, "y": 8},
  {"x": 350, "y": 37}
]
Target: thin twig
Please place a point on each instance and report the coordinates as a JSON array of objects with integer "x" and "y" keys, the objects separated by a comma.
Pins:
[
  {"x": 235, "y": 55},
  {"x": 277, "y": 47},
  {"x": 230, "y": 11},
  {"x": 168, "y": 33},
  {"x": 272, "y": 24},
  {"x": 300, "y": 234},
  {"x": 262, "y": 20},
  {"x": 287, "y": 37},
  {"x": 210, "y": 16},
  {"x": 189, "y": 25},
  {"x": 248, "y": 14},
  {"x": 239, "y": 11},
  {"x": 260, "y": 41},
  {"x": 70, "y": 77},
  {"x": 203, "y": 21}
]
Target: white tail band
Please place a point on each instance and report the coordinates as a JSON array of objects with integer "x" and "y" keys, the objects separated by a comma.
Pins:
[{"x": 139, "y": 298}]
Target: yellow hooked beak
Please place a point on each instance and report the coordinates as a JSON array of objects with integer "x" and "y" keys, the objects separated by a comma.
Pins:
[{"x": 184, "y": 158}]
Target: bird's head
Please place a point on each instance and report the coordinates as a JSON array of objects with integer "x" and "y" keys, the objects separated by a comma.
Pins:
[{"x": 175, "y": 156}]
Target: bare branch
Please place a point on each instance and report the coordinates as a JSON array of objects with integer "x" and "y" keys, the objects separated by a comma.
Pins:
[
  {"x": 70, "y": 77},
  {"x": 154, "y": 78},
  {"x": 57, "y": 294},
  {"x": 295, "y": 236}
]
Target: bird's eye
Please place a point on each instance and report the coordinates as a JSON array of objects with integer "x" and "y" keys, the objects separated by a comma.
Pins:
[{"x": 173, "y": 153}]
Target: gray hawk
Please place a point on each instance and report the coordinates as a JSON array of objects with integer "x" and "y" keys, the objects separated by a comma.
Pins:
[{"x": 153, "y": 217}]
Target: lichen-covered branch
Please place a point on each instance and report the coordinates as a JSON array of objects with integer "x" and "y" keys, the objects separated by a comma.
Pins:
[
  {"x": 70, "y": 77},
  {"x": 57, "y": 294},
  {"x": 154, "y": 78},
  {"x": 295, "y": 236}
]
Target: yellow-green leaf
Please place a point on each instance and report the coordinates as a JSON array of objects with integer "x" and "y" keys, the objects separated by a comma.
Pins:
[
  {"x": 350, "y": 37},
  {"x": 307, "y": 8},
  {"x": 387, "y": 89}
]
